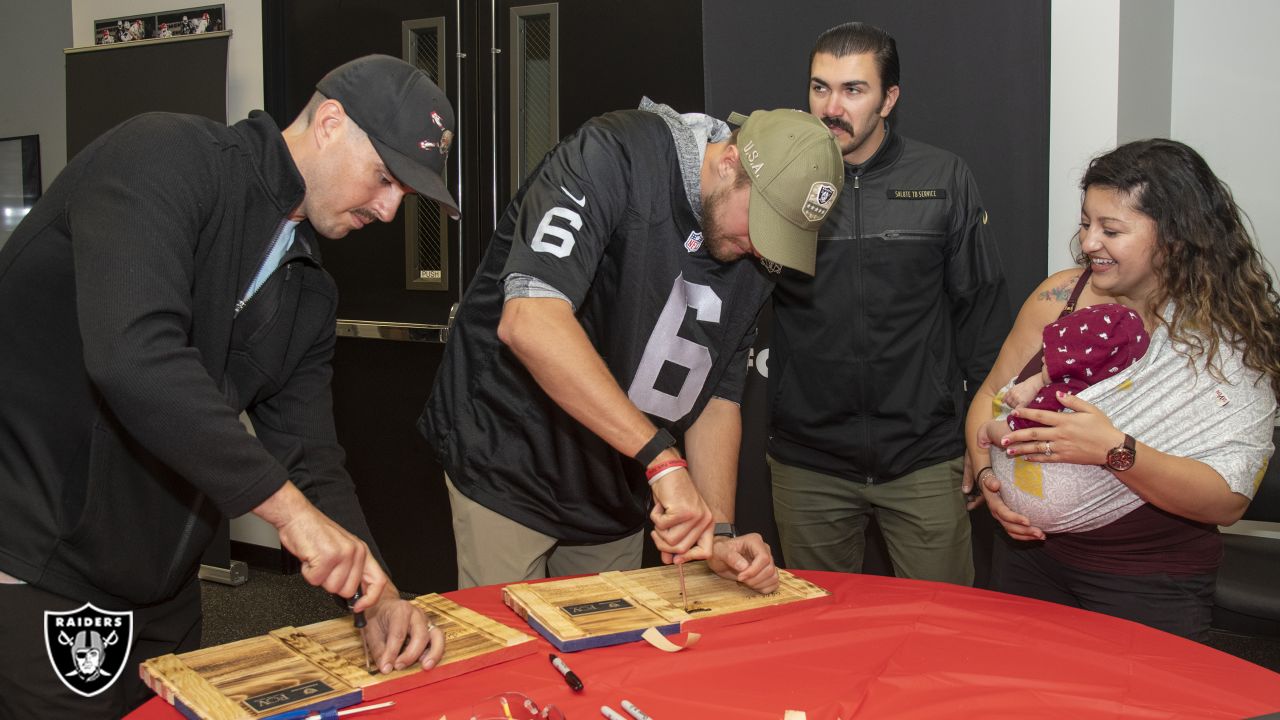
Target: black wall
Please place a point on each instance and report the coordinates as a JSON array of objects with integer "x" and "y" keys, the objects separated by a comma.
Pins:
[{"x": 975, "y": 80}]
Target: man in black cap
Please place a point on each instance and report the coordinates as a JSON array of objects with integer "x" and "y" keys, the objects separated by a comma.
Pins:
[{"x": 144, "y": 306}]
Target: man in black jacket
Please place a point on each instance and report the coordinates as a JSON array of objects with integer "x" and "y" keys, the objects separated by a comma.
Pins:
[
  {"x": 870, "y": 361},
  {"x": 143, "y": 307}
]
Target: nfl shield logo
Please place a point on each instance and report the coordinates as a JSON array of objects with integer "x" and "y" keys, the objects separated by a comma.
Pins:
[
  {"x": 693, "y": 242},
  {"x": 88, "y": 647}
]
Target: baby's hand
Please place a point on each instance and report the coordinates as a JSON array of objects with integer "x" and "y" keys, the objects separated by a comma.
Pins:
[
  {"x": 991, "y": 433},
  {"x": 1021, "y": 394}
]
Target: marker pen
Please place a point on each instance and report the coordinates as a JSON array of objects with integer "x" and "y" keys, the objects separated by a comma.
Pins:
[
  {"x": 309, "y": 714},
  {"x": 610, "y": 713},
  {"x": 569, "y": 676},
  {"x": 634, "y": 711}
]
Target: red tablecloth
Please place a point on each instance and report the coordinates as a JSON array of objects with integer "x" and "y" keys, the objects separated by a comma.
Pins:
[{"x": 885, "y": 648}]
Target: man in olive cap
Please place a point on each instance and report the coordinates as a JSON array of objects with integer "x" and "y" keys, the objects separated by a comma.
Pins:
[
  {"x": 596, "y": 364},
  {"x": 145, "y": 306}
]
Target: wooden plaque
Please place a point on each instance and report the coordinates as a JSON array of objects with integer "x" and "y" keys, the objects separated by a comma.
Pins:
[
  {"x": 617, "y": 607},
  {"x": 319, "y": 666}
]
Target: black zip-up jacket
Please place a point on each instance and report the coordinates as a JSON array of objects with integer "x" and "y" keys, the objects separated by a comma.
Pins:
[
  {"x": 870, "y": 359},
  {"x": 125, "y": 366}
]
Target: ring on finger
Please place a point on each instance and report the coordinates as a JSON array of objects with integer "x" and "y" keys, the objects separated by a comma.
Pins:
[{"x": 1048, "y": 448}]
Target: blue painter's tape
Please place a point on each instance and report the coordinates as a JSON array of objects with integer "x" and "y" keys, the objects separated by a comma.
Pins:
[{"x": 599, "y": 641}]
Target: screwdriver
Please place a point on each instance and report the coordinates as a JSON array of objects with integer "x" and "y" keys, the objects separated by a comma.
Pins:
[
  {"x": 684, "y": 598},
  {"x": 360, "y": 623}
]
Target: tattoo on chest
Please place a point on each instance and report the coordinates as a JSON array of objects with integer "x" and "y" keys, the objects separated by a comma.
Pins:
[{"x": 1061, "y": 293}]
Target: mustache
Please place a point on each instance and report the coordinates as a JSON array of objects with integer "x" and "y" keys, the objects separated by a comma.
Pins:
[
  {"x": 835, "y": 122},
  {"x": 365, "y": 215}
]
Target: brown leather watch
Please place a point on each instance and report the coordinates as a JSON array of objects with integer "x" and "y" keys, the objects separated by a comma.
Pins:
[{"x": 1122, "y": 457}]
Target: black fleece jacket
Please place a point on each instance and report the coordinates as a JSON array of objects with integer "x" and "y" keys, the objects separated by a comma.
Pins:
[
  {"x": 874, "y": 360},
  {"x": 125, "y": 366}
]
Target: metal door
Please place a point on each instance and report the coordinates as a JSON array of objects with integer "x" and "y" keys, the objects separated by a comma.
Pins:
[
  {"x": 520, "y": 75},
  {"x": 397, "y": 281}
]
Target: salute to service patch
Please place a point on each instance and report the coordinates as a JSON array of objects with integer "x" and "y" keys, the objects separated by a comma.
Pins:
[{"x": 918, "y": 194}]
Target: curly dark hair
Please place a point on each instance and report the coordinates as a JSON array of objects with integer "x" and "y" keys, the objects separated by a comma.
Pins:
[{"x": 1205, "y": 256}]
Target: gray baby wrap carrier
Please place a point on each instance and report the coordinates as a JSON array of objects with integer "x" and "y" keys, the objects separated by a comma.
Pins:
[{"x": 1165, "y": 403}]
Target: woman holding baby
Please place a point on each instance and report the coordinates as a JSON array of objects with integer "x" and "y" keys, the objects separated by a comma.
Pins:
[{"x": 1118, "y": 473}]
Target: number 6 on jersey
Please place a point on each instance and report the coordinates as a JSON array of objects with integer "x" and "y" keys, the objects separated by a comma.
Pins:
[{"x": 666, "y": 345}]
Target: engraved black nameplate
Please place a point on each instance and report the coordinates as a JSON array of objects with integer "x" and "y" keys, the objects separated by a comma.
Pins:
[
  {"x": 595, "y": 607},
  {"x": 277, "y": 698}
]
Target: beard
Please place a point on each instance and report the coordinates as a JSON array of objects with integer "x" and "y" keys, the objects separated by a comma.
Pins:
[{"x": 718, "y": 245}]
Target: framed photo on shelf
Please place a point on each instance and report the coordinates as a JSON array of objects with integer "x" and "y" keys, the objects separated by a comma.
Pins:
[
  {"x": 125, "y": 29},
  {"x": 171, "y": 23},
  {"x": 192, "y": 21}
]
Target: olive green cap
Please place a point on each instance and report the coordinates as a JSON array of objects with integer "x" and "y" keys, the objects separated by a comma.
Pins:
[{"x": 796, "y": 176}]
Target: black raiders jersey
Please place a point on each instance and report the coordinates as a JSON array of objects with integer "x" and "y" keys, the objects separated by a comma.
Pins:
[{"x": 605, "y": 220}]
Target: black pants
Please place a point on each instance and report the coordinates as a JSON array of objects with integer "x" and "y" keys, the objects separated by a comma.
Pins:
[
  {"x": 1178, "y": 604},
  {"x": 29, "y": 684}
]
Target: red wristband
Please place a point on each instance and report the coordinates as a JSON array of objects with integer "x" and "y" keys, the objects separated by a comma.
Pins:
[{"x": 670, "y": 464}]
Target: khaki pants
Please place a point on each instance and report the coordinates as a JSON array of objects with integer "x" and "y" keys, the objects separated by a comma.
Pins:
[
  {"x": 494, "y": 549},
  {"x": 821, "y": 520}
]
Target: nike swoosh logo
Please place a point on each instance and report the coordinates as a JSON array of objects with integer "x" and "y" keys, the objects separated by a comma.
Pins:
[{"x": 581, "y": 202}]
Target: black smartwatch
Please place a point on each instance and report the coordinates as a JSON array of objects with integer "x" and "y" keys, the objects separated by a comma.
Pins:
[
  {"x": 660, "y": 441},
  {"x": 725, "y": 530}
]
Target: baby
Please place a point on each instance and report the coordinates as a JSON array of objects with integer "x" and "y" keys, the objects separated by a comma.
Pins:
[{"x": 1089, "y": 345}]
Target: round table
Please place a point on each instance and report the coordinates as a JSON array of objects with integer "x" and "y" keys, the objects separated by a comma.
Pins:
[{"x": 880, "y": 647}]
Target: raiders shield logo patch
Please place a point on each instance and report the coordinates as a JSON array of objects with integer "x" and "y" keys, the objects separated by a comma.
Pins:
[
  {"x": 88, "y": 647},
  {"x": 819, "y": 201}
]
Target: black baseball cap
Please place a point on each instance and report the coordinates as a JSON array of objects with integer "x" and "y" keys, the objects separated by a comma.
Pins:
[{"x": 407, "y": 118}]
